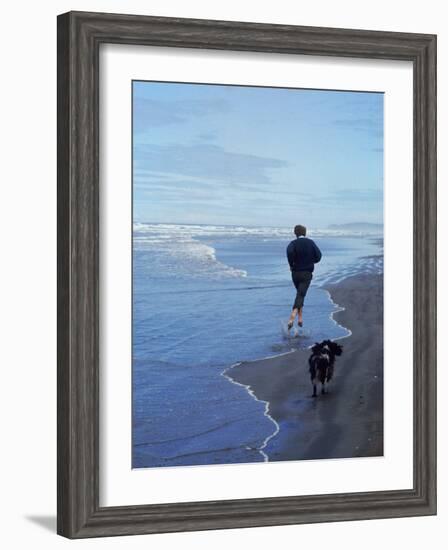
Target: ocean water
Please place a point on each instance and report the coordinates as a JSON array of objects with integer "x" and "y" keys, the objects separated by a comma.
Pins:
[{"x": 204, "y": 298}]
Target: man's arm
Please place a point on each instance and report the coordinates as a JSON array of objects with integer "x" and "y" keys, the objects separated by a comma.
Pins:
[
  {"x": 291, "y": 253},
  {"x": 317, "y": 253}
]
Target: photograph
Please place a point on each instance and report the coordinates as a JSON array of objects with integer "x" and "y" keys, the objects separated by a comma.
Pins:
[
  {"x": 257, "y": 274},
  {"x": 246, "y": 271}
]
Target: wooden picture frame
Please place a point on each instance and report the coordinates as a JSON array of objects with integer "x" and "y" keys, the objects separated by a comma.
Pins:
[{"x": 79, "y": 38}]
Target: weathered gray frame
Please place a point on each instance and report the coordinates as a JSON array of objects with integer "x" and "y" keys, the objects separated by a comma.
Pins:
[{"x": 79, "y": 37}]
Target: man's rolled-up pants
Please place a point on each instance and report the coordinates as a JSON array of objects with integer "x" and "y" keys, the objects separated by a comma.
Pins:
[{"x": 302, "y": 281}]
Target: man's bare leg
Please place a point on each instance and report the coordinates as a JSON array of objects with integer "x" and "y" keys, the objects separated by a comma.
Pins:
[
  {"x": 300, "y": 319},
  {"x": 292, "y": 317}
]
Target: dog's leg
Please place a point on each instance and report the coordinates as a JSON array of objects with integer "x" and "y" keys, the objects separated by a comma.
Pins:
[
  {"x": 323, "y": 389},
  {"x": 314, "y": 390}
]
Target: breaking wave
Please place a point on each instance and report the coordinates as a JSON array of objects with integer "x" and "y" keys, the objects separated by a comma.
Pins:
[
  {"x": 184, "y": 249},
  {"x": 166, "y": 231},
  {"x": 175, "y": 250}
]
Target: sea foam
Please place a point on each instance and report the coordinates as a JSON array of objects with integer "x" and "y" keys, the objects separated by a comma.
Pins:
[{"x": 175, "y": 249}]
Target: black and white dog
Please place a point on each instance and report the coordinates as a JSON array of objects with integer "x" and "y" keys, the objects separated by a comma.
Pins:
[{"x": 321, "y": 363}]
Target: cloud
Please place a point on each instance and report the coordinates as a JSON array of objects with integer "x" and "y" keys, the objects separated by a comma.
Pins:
[
  {"x": 372, "y": 126},
  {"x": 148, "y": 113},
  {"x": 209, "y": 136},
  {"x": 361, "y": 196},
  {"x": 206, "y": 162}
]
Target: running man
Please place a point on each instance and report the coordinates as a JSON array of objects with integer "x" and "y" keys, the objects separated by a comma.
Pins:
[{"x": 302, "y": 254}]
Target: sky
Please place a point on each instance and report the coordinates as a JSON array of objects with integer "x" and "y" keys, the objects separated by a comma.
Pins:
[{"x": 240, "y": 155}]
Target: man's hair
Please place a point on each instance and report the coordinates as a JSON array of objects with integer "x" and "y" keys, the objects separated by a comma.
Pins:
[{"x": 300, "y": 230}]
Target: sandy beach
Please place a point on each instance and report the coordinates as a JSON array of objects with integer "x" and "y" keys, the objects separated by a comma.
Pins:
[{"x": 348, "y": 421}]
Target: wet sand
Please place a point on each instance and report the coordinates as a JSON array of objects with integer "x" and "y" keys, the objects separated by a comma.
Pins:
[{"x": 346, "y": 422}]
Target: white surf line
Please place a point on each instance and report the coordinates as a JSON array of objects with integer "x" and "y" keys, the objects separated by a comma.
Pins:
[
  {"x": 338, "y": 307},
  {"x": 337, "y": 310},
  {"x": 263, "y": 358},
  {"x": 266, "y": 403},
  {"x": 251, "y": 393}
]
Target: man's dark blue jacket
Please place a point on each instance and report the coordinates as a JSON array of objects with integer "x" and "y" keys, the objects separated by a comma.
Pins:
[{"x": 302, "y": 254}]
